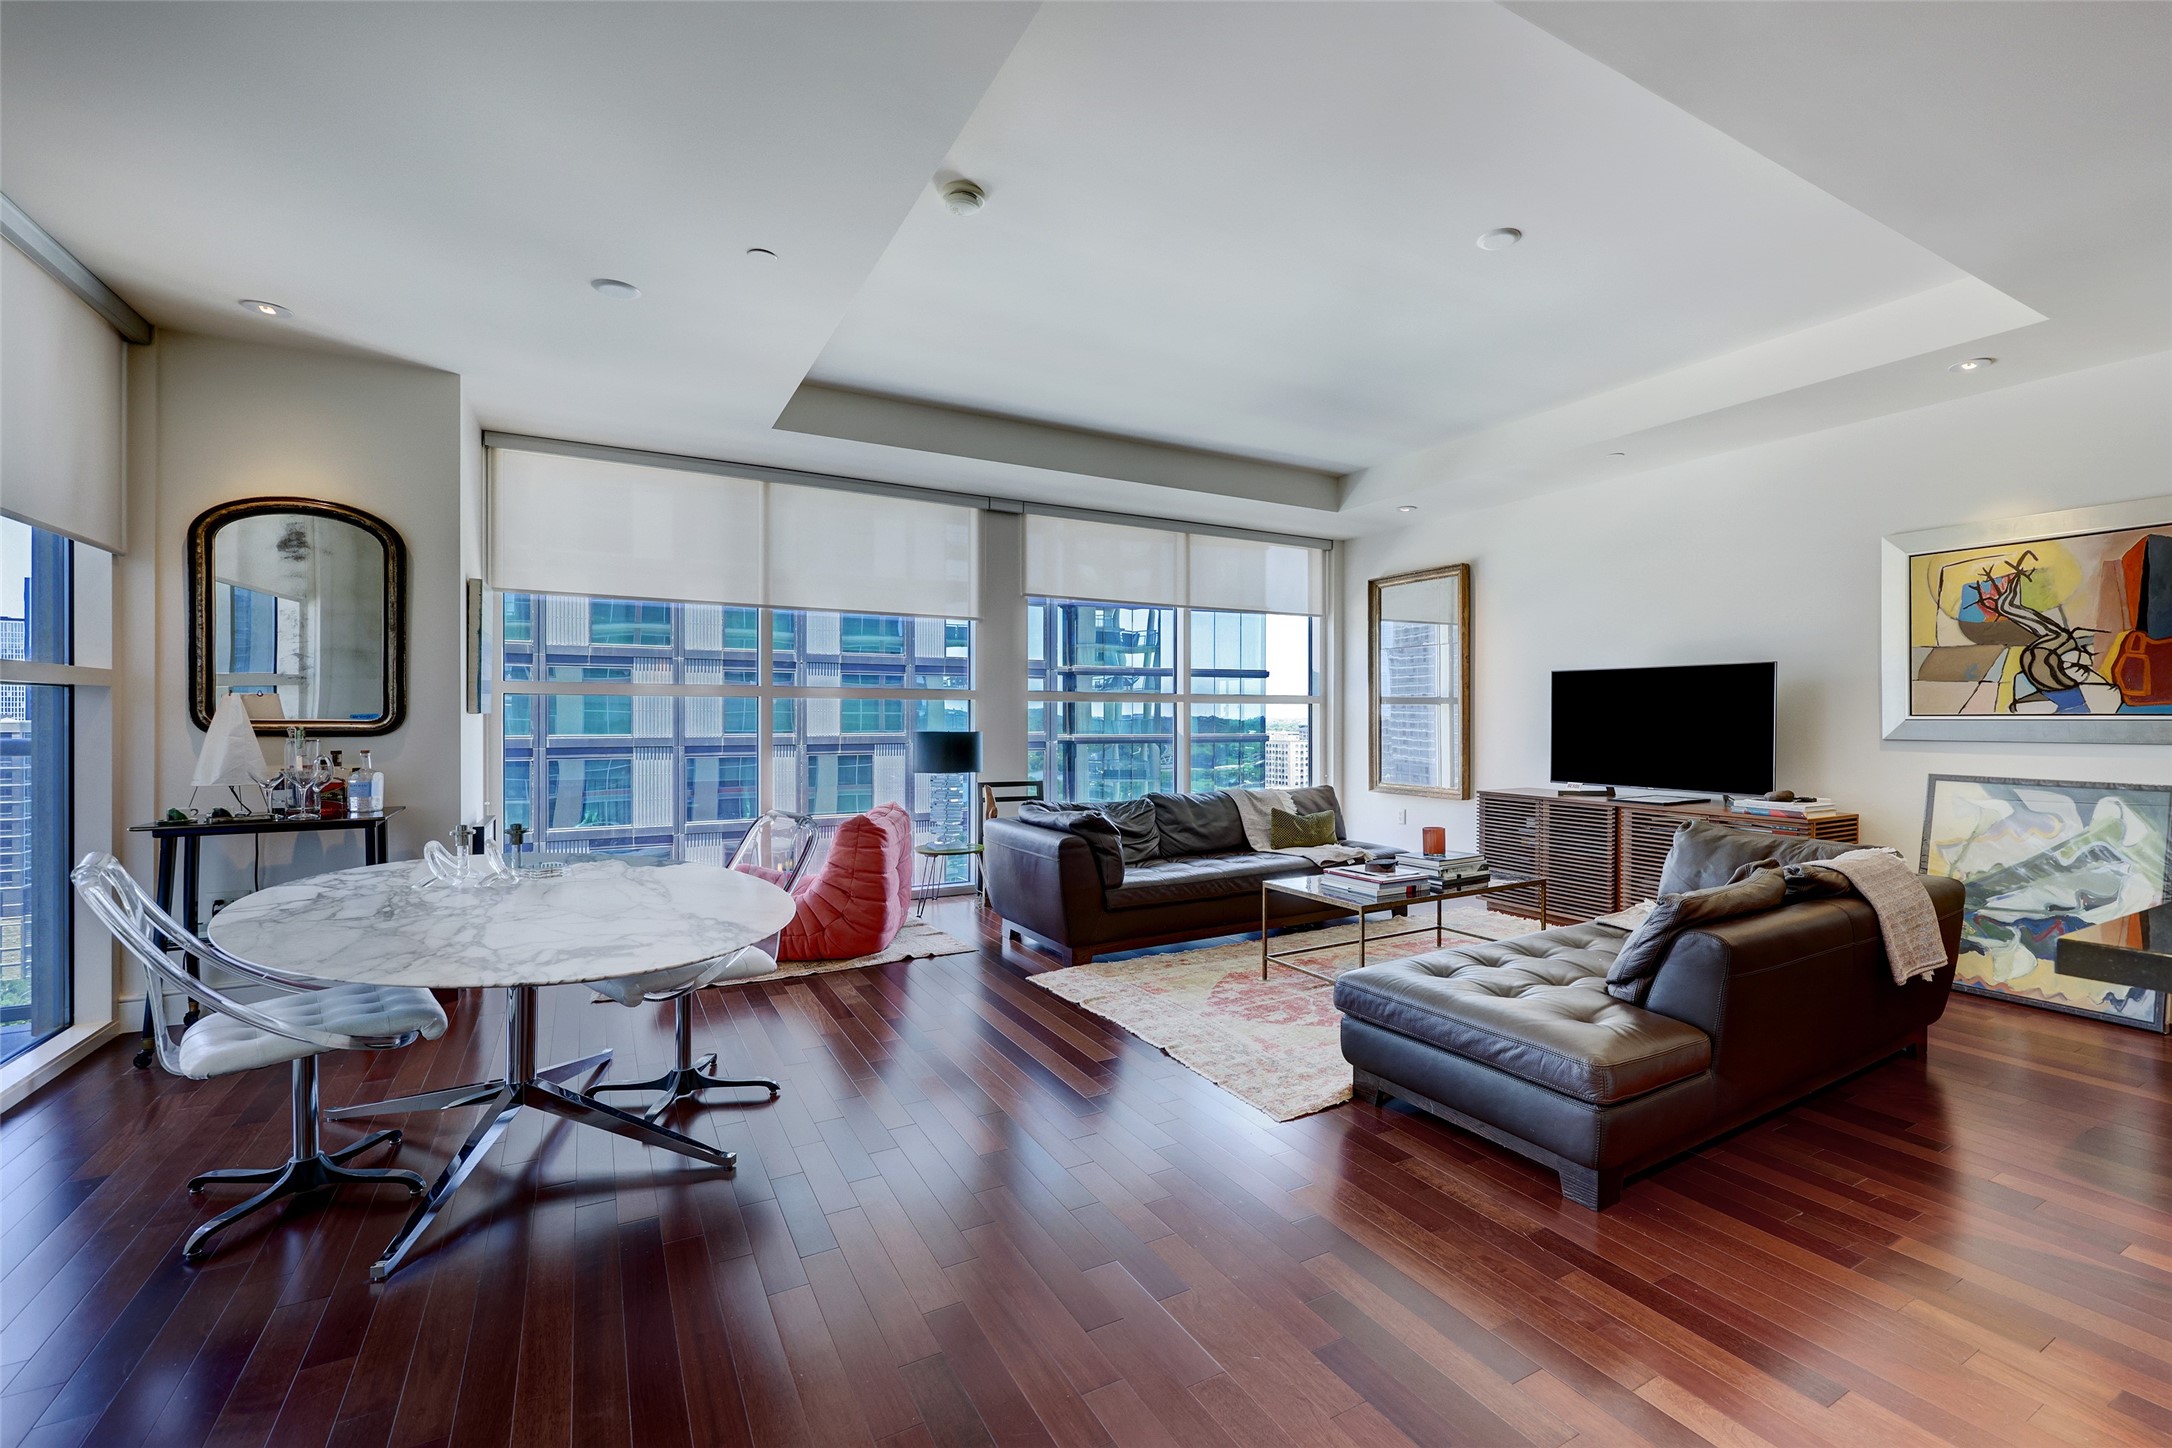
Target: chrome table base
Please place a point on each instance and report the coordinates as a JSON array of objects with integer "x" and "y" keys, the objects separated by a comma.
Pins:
[
  {"x": 523, "y": 1087},
  {"x": 686, "y": 1078},
  {"x": 309, "y": 1167}
]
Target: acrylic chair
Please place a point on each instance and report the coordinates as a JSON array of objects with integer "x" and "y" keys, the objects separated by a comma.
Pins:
[
  {"x": 778, "y": 847},
  {"x": 300, "y": 1022}
]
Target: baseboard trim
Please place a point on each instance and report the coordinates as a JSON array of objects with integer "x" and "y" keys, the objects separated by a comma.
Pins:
[{"x": 45, "y": 1063}]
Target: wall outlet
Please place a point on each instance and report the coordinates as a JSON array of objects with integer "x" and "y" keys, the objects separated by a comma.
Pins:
[{"x": 1402, "y": 816}]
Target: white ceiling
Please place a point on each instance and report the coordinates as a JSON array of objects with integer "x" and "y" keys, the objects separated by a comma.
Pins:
[
  {"x": 1251, "y": 228},
  {"x": 1228, "y": 248}
]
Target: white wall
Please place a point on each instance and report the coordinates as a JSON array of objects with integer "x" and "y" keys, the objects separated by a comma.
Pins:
[
  {"x": 214, "y": 420},
  {"x": 1767, "y": 553}
]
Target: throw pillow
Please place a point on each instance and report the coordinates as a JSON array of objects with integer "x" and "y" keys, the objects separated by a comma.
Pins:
[
  {"x": 1288, "y": 831},
  {"x": 1630, "y": 976},
  {"x": 1314, "y": 798},
  {"x": 1134, "y": 821},
  {"x": 1091, "y": 826}
]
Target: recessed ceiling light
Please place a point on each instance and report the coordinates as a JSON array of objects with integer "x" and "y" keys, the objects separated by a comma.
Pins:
[
  {"x": 612, "y": 287},
  {"x": 1974, "y": 364},
  {"x": 963, "y": 196},
  {"x": 1408, "y": 508},
  {"x": 1500, "y": 240},
  {"x": 761, "y": 253},
  {"x": 265, "y": 309}
]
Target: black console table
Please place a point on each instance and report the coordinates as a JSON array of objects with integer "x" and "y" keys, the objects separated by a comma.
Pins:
[{"x": 181, "y": 843}]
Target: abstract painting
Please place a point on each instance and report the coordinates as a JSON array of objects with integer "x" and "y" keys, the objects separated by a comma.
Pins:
[
  {"x": 2040, "y": 858},
  {"x": 2037, "y": 629}
]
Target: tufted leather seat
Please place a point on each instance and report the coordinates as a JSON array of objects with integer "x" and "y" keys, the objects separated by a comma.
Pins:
[
  {"x": 1535, "y": 1006},
  {"x": 219, "y": 1045},
  {"x": 1201, "y": 877}
]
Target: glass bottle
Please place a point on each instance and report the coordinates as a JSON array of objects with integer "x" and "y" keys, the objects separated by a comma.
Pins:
[
  {"x": 331, "y": 788},
  {"x": 366, "y": 788}
]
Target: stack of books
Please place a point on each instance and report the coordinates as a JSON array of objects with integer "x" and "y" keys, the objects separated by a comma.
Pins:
[
  {"x": 1785, "y": 809},
  {"x": 1448, "y": 869},
  {"x": 1355, "y": 882}
]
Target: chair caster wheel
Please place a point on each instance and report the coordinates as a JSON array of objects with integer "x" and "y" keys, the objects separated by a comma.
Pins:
[{"x": 143, "y": 1060}]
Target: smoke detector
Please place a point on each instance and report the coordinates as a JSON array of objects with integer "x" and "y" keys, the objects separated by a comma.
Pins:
[{"x": 963, "y": 196}]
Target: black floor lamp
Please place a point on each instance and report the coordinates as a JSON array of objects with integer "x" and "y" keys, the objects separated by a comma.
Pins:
[{"x": 948, "y": 751}]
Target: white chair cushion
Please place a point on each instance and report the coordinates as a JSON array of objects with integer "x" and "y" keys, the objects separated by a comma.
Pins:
[
  {"x": 632, "y": 990},
  {"x": 220, "y": 1045}
]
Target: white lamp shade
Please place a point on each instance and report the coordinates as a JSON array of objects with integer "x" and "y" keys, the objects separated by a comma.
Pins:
[{"x": 230, "y": 754}]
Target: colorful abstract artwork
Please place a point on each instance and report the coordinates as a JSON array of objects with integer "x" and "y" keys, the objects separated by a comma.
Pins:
[
  {"x": 2041, "y": 858},
  {"x": 2076, "y": 625}
]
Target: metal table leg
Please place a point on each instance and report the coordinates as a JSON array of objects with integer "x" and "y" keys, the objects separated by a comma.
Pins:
[{"x": 524, "y": 1087}]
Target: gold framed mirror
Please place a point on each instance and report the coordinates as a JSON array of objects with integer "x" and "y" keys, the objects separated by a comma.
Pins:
[
  {"x": 300, "y": 606},
  {"x": 1419, "y": 643}
]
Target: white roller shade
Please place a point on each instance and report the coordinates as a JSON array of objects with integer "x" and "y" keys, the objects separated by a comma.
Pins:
[
  {"x": 864, "y": 553},
  {"x": 618, "y": 530},
  {"x": 1072, "y": 558},
  {"x": 61, "y": 372},
  {"x": 1254, "y": 577}
]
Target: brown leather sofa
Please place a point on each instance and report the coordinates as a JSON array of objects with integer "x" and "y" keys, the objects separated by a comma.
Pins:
[
  {"x": 1520, "y": 1042},
  {"x": 1167, "y": 868}
]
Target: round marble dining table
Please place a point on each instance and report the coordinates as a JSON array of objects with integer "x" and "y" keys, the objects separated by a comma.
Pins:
[
  {"x": 394, "y": 925},
  {"x": 598, "y": 920}
]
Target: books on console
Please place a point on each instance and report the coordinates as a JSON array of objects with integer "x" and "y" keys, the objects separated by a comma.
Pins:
[{"x": 1792, "y": 809}]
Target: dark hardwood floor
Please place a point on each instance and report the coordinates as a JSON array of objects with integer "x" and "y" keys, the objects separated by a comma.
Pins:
[{"x": 978, "y": 1215}]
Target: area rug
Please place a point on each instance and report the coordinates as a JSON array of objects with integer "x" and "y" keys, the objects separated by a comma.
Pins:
[
  {"x": 1274, "y": 1044},
  {"x": 917, "y": 940}
]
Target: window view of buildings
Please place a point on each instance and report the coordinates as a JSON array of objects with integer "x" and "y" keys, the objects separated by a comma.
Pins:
[
  {"x": 1415, "y": 688},
  {"x": 696, "y": 722},
  {"x": 34, "y": 795},
  {"x": 1144, "y": 711},
  {"x": 666, "y": 728}
]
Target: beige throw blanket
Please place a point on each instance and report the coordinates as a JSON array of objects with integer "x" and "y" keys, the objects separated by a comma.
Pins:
[{"x": 1913, "y": 945}]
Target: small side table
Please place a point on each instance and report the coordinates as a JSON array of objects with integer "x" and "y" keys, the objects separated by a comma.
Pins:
[
  {"x": 185, "y": 840},
  {"x": 934, "y": 865}
]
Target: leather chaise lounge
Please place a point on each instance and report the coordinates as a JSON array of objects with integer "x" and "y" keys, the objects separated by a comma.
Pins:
[{"x": 1519, "y": 1041}]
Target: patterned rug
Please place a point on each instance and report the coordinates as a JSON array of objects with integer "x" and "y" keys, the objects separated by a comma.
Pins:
[{"x": 1274, "y": 1044}]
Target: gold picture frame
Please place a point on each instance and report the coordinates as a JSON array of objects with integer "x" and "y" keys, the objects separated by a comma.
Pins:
[{"x": 1418, "y": 669}]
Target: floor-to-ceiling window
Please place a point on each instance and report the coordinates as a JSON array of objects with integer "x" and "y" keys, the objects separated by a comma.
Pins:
[
  {"x": 683, "y": 648},
  {"x": 1128, "y": 699},
  {"x": 668, "y": 727},
  {"x": 1182, "y": 688},
  {"x": 36, "y": 735}
]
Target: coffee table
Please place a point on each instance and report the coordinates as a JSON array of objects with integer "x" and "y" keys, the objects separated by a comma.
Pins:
[{"x": 1309, "y": 888}]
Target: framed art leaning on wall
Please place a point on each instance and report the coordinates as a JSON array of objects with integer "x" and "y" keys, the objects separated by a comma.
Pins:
[
  {"x": 1419, "y": 636},
  {"x": 2040, "y": 859},
  {"x": 2054, "y": 628}
]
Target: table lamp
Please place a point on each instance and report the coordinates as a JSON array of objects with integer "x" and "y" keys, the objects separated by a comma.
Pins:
[
  {"x": 947, "y": 751},
  {"x": 231, "y": 756}
]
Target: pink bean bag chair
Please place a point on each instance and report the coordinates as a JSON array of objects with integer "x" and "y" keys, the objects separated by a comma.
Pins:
[{"x": 855, "y": 902}]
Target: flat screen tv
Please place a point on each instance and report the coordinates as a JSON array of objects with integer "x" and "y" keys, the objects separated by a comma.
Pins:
[{"x": 1703, "y": 727}]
